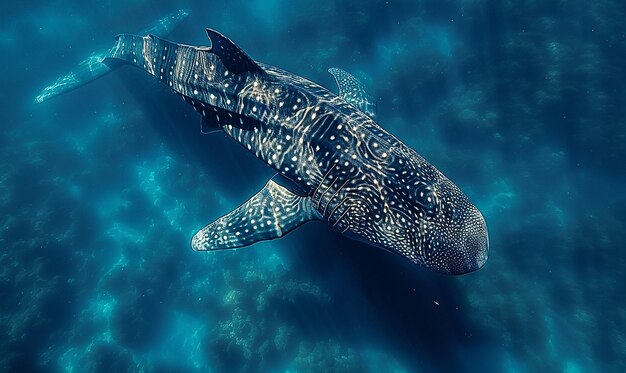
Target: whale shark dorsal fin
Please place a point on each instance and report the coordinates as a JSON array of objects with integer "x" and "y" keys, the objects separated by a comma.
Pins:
[
  {"x": 353, "y": 91},
  {"x": 271, "y": 213},
  {"x": 235, "y": 59}
]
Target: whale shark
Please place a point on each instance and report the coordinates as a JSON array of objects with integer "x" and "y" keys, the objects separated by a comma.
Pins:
[{"x": 333, "y": 161}]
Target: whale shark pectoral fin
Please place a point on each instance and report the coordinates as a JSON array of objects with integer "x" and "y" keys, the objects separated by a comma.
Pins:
[
  {"x": 235, "y": 59},
  {"x": 353, "y": 91},
  {"x": 271, "y": 213},
  {"x": 206, "y": 127}
]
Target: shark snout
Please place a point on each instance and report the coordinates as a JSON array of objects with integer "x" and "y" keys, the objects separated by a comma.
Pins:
[
  {"x": 477, "y": 247},
  {"x": 476, "y": 242}
]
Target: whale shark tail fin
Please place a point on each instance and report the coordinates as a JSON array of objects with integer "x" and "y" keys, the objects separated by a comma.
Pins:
[{"x": 93, "y": 67}]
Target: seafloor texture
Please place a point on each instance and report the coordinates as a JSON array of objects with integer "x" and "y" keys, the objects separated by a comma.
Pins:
[{"x": 522, "y": 104}]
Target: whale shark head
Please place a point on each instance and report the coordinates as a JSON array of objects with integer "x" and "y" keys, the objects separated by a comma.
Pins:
[
  {"x": 420, "y": 214},
  {"x": 453, "y": 238}
]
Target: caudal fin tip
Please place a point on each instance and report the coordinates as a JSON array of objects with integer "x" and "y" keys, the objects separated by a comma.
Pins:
[{"x": 44, "y": 95}]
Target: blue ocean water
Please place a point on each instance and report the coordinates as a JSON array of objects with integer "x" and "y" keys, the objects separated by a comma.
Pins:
[{"x": 521, "y": 104}]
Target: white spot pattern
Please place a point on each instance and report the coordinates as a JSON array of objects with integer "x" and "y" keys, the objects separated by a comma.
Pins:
[{"x": 351, "y": 172}]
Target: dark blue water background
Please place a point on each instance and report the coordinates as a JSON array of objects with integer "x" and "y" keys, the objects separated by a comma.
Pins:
[{"x": 521, "y": 103}]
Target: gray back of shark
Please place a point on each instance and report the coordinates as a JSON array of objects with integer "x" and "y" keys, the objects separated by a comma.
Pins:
[{"x": 333, "y": 161}]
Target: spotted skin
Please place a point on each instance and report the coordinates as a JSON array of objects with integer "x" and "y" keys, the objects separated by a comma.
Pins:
[
  {"x": 271, "y": 213},
  {"x": 336, "y": 163}
]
